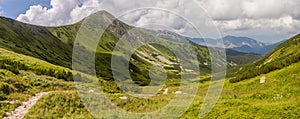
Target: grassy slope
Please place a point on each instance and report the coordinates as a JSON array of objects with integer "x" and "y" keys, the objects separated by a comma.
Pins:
[
  {"x": 35, "y": 41},
  {"x": 20, "y": 80},
  {"x": 243, "y": 59},
  {"x": 284, "y": 55},
  {"x": 108, "y": 41},
  {"x": 55, "y": 43},
  {"x": 277, "y": 98}
]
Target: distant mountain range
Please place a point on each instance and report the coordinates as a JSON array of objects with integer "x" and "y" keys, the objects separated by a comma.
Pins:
[
  {"x": 283, "y": 55},
  {"x": 241, "y": 44},
  {"x": 234, "y": 57}
]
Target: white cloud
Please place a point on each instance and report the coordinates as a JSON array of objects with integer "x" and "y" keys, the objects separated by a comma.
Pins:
[
  {"x": 1, "y": 11},
  {"x": 59, "y": 14},
  {"x": 252, "y": 9},
  {"x": 231, "y": 16}
]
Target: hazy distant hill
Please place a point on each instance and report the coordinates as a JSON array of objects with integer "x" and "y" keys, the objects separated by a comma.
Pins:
[{"x": 241, "y": 44}]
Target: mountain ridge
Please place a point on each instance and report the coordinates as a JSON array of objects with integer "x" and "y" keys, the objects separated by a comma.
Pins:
[
  {"x": 282, "y": 56},
  {"x": 241, "y": 44}
]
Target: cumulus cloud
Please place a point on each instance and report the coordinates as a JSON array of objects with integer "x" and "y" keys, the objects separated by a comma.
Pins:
[
  {"x": 59, "y": 14},
  {"x": 229, "y": 15}
]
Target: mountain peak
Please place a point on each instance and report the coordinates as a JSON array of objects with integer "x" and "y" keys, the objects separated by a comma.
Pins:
[{"x": 102, "y": 13}]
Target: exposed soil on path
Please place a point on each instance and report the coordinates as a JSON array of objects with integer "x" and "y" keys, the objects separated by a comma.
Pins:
[{"x": 22, "y": 110}]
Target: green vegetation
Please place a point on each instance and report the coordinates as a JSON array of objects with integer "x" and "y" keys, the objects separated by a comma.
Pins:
[
  {"x": 277, "y": 98},
  {"x": 35, "y": 41},
  {"x": 22, "y": 77},
  {"x": 37, "y": 59},
  {"x": 59, "y": 105},
  {"x": 244, "y": 59},
  {"x": 282, "y": 56},
  {"x": 15, "y": 62},
  {"x": 55, "y": 45}
]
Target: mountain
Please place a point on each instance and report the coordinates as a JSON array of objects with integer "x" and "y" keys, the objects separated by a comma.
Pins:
[
  {"x": 34, "y": 41},
  {"x": 241, "y": 44},
  {"x": 233, "y": 57},
  {"x": 260, "y": 50},
  {"x": 270, "y": 47},
  {"x": 233, "y": 42},
  {"x": 282, "y": 56},
  {"x": 55, "y": 45},
  {"x": 37, "y": 59}
]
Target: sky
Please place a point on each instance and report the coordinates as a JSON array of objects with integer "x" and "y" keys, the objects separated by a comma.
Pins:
[{"x": 267, "y": 21}]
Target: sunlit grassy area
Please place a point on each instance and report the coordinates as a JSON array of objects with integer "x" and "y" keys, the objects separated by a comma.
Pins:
[
  {"x": 278, "y": 97},
  {"x": 21, "y": 77}
]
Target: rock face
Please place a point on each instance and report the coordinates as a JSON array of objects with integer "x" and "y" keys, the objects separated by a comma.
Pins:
[
  {"x": 263, "y": 79},
  {"x": 21, "y": 111}
]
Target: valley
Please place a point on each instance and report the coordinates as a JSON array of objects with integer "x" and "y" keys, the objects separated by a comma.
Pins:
[{"x": 36, "y": 59}]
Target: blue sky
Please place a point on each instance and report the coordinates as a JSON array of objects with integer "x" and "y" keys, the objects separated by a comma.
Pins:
[
  {"x": 13, "y": 8},
  {"x": 268, "y": 21}
]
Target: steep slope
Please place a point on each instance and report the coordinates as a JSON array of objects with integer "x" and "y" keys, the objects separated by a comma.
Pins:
[
  {"x": 270, "y": 47},
  {"x": 54, "y": 44},
  {"x": 23, "y": 76},
  {"x": 278, "y": 97},
  {"x": 284, "y": 55},
  {"x": 34, "y": 41}
]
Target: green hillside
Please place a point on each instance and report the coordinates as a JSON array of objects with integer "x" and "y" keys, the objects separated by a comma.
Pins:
[
  {"x": 36, "y": 59},
  {"x": 34, "y": 41},
  {"x": 278, "y": 97},
  {"x": 23, "y": 76},
  {"x": 284, "y": 55},
  {"x": 55, "y": 45}
]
